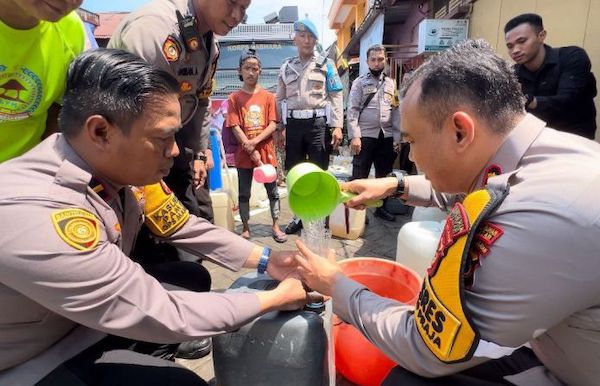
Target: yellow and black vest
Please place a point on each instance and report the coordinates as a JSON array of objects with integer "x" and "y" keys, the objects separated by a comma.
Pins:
[{"x": 440, "y": 313}]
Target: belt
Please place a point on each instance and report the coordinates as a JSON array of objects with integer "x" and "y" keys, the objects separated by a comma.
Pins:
[{"x": 306, "y": 114}]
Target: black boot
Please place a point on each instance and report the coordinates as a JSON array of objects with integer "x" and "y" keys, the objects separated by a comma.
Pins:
[
  {"x": 384, "y": 214},
  {"x": 194, "y": 349},
  {"x": 294, "y": 226}
]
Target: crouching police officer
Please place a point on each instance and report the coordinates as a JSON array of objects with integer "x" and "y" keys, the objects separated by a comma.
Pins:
[
  {"x": 309, "y": 99},
  {"x": 74, "y": 217},
  {"x": 513, "y": 292}
]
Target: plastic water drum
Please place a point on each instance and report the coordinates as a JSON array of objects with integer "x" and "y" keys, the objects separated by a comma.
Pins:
[
  {"x": 356, "y": 222},
  {"x": 421, "y": 213},
  {"x": 278, "y": 348},
  {"x": 258, "y": 195},
  {"x": 356, "y": 358},
  {"x": 417, "y": 243},
  {"x": 230, "y": 184},
  {"x": 214, "y": 175},
  {"x": 222, "y": 210}
]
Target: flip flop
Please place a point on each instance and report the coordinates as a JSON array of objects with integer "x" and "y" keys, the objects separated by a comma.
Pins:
[{"x": 280, "y": 238}]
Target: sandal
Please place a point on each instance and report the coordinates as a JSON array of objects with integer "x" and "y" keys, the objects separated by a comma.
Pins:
[{"x": 280, "y": 237}]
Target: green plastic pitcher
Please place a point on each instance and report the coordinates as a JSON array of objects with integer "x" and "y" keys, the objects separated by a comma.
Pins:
[{"x": 314, "y": 193}]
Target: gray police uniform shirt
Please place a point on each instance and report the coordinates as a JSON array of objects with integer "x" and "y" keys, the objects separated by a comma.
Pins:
[
  {"x": 153, "y": 33},
  {"x": 540, "y": 283},
  {"x": 304, "y": 86},
  {"x": 381, "y": 114},
  {"x": 48, "y": 287}
]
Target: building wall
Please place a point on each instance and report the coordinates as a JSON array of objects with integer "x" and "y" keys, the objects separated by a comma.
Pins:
[
  {"x": 573, "y": 22},
  {"x": 356, "y": 16},
  {"x": 407, "y": 32}
]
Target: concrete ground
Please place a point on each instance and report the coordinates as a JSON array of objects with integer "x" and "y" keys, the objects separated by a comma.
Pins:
[{"x": 378, "y": 240}]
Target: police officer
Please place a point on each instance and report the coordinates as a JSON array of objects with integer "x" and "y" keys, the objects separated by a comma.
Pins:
[
  {"x": 178, "y": 36},
  {"x": 517, "y": 262},
  {"x": 73, "y": 220},
  {"x": 309, "y": 100},
  {"x": 373, "y": 121}
]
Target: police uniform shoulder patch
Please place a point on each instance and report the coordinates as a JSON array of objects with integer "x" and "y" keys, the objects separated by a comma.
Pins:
[
  {"x": 77, "y": 227},
  {"x": 395, "y": 99},
  {"x": 207, "y": 91},
  {"x": 165, "y": 214},
  {"x": 171, "y": 49}
]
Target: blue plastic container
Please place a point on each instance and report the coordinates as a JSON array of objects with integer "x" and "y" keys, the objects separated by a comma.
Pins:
[{"x": 215, "y": 181}]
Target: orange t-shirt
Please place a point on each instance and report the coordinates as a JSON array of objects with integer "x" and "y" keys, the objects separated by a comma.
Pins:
[{"x": 252, "y": 113}]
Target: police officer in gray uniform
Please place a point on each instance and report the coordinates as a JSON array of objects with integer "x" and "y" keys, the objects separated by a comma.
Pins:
[
  {"x": 178, "y": 36},
  {"x": 373, "y": 121},
  {"x": 309, "y": 102},
  {"x": 71, "y": 217},
  {"x": 513, "y": 292}
]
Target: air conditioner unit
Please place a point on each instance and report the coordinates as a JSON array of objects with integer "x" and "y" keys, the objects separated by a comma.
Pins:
[{"x": 271, "y": 18}]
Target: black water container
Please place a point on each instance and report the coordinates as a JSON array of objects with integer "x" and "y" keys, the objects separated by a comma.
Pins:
[{"x": 289, "y": 348}]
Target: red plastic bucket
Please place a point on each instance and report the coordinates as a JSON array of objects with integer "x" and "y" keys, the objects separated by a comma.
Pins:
[{"x": 355, "y": 357}]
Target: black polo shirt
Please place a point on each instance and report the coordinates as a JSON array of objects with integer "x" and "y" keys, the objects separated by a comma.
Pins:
[{"x": 564, "y": 88}]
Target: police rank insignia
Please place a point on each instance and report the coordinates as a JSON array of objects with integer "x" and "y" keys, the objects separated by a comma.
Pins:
[
  {"x": 491, "y": 171},
  {"x": 77, "y": 227},
  {"x": 171, "y": 49},
  {"x": 487, "y": 234}
]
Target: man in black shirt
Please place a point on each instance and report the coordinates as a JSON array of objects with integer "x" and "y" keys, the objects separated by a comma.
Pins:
[{"x": 557, "y": 82}]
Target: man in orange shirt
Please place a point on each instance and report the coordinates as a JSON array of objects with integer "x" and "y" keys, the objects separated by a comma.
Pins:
[{"x": 252, "y": 117}]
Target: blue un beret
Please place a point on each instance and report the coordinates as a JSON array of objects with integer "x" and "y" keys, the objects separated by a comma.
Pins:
[{"x": 306, "y": 25}]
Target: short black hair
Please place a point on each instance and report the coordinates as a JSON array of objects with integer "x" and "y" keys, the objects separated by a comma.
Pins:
[
  {"x": 375, "y": 47},
  {"x": 532, "y": 19},
  {"x": 469, "y": 74},
  {"x": 113, "y": 83}
]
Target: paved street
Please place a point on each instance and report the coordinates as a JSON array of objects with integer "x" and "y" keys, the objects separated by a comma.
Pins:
[{"x": 379, "y": 240}]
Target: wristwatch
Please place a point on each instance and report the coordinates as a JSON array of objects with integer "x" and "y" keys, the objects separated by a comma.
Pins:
[
  {"x": 400, "y": 188},
  {"x": 264, "y": 260},
  {"x": 200, "y": 157}
]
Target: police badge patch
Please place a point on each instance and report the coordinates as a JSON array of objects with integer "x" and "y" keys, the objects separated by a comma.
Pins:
[
  {"x": 171, "y": 49},
  {"x": 185, "y": 87},
  {"x": 77, "y": 227}
]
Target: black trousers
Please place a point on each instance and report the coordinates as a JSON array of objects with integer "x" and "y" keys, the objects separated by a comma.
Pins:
[
  {"x": 374, "y": 150},
  {"x": 116, "y": 361},
  {"x": 245, "y": 188},
  {"x": 490, "y": 373},
  {"x": 180, "y": 180},
  {"x": 307, "y": 139},
  {"x": 121, "y": 361},
  {"x": 404, "y": 159}
]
